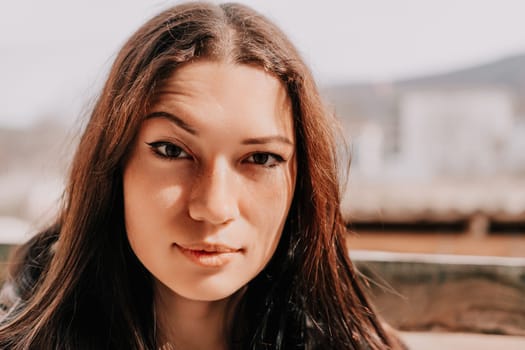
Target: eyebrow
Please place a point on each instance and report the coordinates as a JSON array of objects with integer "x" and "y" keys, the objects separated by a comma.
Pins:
[
  {"x": 251, "y": 141},
  {"x": 176, "y": 120},
  {"x": 267, "y": 139}
]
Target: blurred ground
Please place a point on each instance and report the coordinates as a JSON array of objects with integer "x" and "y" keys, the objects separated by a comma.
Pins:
[
  {"x": 461, "y": 341},
  {"x": 510, "y": 245},
  {"x": 465, "y": 283},
  {"x": 444, "y": 292}
]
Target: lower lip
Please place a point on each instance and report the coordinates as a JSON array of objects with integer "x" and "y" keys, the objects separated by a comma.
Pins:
[{"x": 208, "y": 259}]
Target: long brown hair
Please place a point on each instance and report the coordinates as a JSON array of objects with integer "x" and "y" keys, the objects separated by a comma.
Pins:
[{"x": 78, "y": 285}]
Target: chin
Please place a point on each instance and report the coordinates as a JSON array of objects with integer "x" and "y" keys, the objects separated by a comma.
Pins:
[{"x": 207, "y": 292}]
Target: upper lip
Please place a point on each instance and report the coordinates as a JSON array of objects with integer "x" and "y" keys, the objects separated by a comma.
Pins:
[{"x": 210, "y": 248}]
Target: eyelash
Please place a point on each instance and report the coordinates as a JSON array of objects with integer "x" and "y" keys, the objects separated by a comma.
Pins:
[
  {"x": 155, "y": 146},
  {"x": 277, "y": 159}
]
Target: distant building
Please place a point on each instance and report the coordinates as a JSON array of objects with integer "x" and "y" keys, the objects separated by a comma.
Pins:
[
  {"x": 443, "y": 147},
  {"x": 456, "y": 132}
]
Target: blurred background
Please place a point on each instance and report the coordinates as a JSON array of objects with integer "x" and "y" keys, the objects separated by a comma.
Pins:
[{"x": 431, "y": 95}]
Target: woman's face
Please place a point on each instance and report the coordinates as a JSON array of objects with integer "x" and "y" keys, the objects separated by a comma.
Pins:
[{"x": 210, "y": 179}]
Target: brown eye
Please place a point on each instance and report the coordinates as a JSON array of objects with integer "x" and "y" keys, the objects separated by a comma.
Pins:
[
  {"x": 265, "y": 159},
  {"x": 260, "y": 158},
  {"x": 168, "y": 150}
]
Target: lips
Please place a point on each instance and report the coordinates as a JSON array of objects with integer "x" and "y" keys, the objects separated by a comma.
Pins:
[
  {"x": 210, "y": 248},
  {"x": 209, "y": 255}
]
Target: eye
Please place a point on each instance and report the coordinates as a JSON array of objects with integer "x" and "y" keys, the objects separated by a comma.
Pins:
[
  {"x": 168, "y": 150},
  {"x": 265, "y": 159}
]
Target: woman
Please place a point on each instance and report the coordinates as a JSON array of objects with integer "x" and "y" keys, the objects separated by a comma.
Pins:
[{"x": 202, "y": 208}]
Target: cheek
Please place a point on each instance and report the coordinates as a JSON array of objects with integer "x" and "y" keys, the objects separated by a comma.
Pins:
[
  {"x": 150, "y": 200},
  {"x": 270, "y": 196},
  {"x": 267, "y": 207},
  {"x": 148, "y": 189}
]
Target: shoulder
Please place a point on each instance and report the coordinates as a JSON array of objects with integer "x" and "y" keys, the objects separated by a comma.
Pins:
[
  {"x": 396, "y": 342},
  {"x": 8, "y": 299},
  {"x": 24, "y": 269}
]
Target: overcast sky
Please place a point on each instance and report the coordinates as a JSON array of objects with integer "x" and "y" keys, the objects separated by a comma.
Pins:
[{"x": 54, "y": 54}]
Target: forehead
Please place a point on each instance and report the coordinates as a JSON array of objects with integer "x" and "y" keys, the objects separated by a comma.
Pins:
[
  {"x": 199, "y": 73},
  {"x": 204, "y": 92}
]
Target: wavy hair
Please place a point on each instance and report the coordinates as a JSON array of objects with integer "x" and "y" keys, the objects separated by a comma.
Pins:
[{"x": 78, "y": 285}]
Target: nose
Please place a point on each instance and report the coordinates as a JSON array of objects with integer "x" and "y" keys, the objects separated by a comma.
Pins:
[{"x": 213, "y": 196}]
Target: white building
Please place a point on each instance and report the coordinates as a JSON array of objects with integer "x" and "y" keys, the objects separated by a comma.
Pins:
[{"x": 456, "y": 132}]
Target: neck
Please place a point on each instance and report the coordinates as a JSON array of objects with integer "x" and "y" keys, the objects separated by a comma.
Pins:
[{"x": 192, "y": 324}]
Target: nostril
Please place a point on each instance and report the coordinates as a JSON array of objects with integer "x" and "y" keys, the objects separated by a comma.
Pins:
[
  {"x": 217, "y": 214},
  {"x": 213, "y": 200}
]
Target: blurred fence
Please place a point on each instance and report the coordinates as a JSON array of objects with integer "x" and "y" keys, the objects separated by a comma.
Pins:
[{"x": 416, "y": 292}]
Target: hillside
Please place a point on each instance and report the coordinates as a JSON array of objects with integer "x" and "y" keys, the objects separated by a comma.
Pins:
[
  {"x": 507, "y": 72},
  {"x": 379, "y": 100}
]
